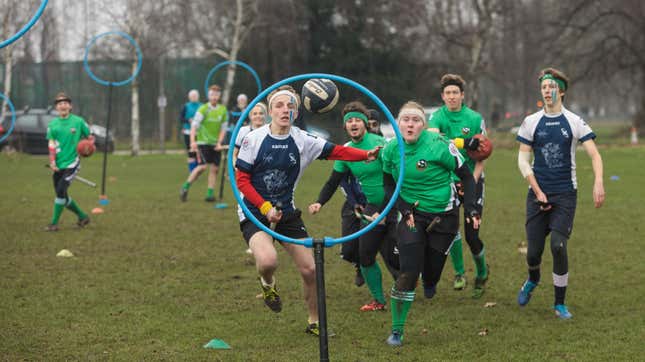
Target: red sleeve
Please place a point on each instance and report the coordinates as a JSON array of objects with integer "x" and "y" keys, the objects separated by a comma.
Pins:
[
  {"x": 244, "y": 185},
  {"x": 347, "y": 154}
]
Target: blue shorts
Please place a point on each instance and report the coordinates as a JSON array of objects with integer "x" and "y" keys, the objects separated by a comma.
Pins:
[{"x": 560, "y": 217}]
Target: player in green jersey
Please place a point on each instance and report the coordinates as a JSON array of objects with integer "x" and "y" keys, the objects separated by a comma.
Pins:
[
  {"x": 63, "y": 134},
  {"x": 370, "y": 178},
  {"x": 206, "y": 135},
  {"x": 459, "y": 123},
  {"x": 428, "y": 206}
]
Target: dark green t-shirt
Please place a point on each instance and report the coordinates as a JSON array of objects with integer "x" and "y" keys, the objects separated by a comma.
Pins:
[
  {"x": 464, "y": 123},
  {"x": 369, "y": 175},
  {"x": 66, "y": 132},
  {"x": 429, "y": 164}
]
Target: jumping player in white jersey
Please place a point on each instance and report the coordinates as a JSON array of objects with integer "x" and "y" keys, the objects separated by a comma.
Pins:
[
  {"x": 552, "y": 135},
  {"x": 270, "y": 162}
]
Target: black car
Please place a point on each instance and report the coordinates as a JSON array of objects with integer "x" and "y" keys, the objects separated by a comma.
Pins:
[{"x": 30, "y": 132}]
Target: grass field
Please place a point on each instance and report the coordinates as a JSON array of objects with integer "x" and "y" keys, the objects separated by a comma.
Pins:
[{"x": 156, "y": 279}]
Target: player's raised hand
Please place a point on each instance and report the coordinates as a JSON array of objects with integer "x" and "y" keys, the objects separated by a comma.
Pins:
[{"x": 314, "y": 208}]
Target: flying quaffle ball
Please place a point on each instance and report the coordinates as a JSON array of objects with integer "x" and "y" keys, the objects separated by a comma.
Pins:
[{"x": 319, "y": 95}]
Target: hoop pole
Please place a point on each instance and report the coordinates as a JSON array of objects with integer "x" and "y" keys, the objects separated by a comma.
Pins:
[
  {"x": 107, "y": 137},
  {"x": 319, "y": 260},
  {"x": 221, "y": 180}
]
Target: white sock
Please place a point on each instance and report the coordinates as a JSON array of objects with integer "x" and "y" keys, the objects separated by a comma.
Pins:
[{"x": 265, "y": 284}]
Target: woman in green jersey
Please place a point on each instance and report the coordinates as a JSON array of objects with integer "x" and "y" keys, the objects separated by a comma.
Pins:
[{"x": 427, "y": 203}]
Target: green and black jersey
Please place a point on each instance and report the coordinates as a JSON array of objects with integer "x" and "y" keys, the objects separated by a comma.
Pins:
[{"x": 66, "y": 132}]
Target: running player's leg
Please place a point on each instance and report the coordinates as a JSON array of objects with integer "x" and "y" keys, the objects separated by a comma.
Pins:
[
  {"x": 349, "y": 250},
  {"x": 183, "y": 195},
  {"x": 292, "y": 226},
  {"x": 457, "y": 258},
  {"x": 213, "y": 160},
  {"x": 477, "y": 245},
  {"x": 389, "y": 250},
  {"x": 561, "y": 224},
  {"x": 537, "y": 224},
  {"x": 71, "y": 205},
  {"x": 192, "y": 156},
  {"x": 266, "y": 262},
  {"x": 59, "y": 201},
  {"x": 411, "y": 247},
  {"x": 369, "y": 245}
]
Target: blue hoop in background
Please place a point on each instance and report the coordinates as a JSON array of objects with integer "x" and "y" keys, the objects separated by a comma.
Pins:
[
  {"x": 105, "y": 82},
  {"x": 26, "y": 28},
  {"x": 13, "y": 117},
  {"x": 217, "y": 67},
  {"x": 308, "y": 242}
]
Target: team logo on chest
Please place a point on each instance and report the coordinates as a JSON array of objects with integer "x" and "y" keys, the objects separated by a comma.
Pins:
[
  {"x": 292, "y": 159},
  {"x": 422, "y": 164},
  {"x": 564, "y": 132},
  {"x": 72, "y": 130},
  {"x": 465, "y": 130}
]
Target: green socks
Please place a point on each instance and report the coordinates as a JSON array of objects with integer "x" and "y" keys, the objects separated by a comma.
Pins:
[
  {"x": 186, "y": 185},
  {"x": 400, "y": 303},
  {"x": 457, "y": 256},
  {"x": 373, "y": 278},
  {"x": 210, "y": 192},
  {"x": 59, "y": 206},
  {"x": 480, "y": 265},
  {"x": 71, "y": 204}
]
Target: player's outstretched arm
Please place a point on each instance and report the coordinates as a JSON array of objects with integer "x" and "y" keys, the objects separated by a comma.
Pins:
[
  {"x": 596, "y": 164},
  {"x": 470, "y": 202}
]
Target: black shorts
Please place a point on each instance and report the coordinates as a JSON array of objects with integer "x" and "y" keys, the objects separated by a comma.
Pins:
[
  {"x": 208, "y": 155},
  {"x": 63, "y": 179},
  {"x": 440, "y": 236},
  {"x": 187, "y": 141},
  {"x": 560, "y": 217},
  {"x": 290, "y": 225}
]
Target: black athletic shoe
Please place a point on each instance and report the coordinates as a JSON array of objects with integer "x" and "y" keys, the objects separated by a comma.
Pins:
[
  {"x": 210, "y": 199},
  {"x": 83, "y": 222},
  {"x": 358, "y": 279},
  {"x": 183, "y": 194},
  {"x": 271, "y": 298}
]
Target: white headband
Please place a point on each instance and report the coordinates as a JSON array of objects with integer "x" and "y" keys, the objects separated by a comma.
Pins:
[
  {"x": 284, "y": 92},
  {"x": 412, "y": 112}
]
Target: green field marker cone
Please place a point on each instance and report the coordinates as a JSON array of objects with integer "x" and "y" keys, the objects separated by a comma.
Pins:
[{"x": 217, "y": 344}]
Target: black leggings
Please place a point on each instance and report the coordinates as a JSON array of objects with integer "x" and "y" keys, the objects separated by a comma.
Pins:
[
  {"x": 419, "y": 250},
  {"x": 558, "y": 250},
  {"x": 472, "y": 235}
]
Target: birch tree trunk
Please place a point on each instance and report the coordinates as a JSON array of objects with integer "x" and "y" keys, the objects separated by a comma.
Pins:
[
  {"x": 235, "y": 48},
  {"x": 8, "y": 65},
  {"x": 135, "y": 114}
]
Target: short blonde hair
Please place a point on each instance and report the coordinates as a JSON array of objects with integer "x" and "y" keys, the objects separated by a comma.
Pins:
[
  {"x": 414, "y": 105},
  {"x": 284, "y": 88}
]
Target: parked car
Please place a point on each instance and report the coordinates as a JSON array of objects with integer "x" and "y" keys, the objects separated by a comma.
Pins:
[{"x": 30, "y": 132}]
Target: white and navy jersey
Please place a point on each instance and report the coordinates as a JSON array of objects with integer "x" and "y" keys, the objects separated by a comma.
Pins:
[
  {"x": 276, "y": 163},
  {"x": 554, "y": 139},
  {"x": 244, "y": 130}
]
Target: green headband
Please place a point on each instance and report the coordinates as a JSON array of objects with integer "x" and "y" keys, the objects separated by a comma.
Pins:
[
  {"x": 358, "y": 115},
  {"x": 560, "y": 82}
]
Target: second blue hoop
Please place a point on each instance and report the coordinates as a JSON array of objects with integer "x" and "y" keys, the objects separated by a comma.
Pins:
[
  {"x": 217, "y": 67},
  {"x": 328, "y": 241},
  {"x": 106, "y": 83},
  {"x": 13, "y": 117}
]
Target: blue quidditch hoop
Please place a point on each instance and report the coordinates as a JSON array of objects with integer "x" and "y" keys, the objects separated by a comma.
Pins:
[
  {"x": 329, "y": 241},
  {"x": 214, "y": 70},
  {"x": 106, "y": 83},
  {"x": 13, "y": 117},
  {"x": 28, "y": 26}
]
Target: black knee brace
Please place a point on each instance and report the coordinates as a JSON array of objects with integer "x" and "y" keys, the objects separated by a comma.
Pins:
[
  {"x": 559, "y": 251},
  {"x": 407, "y": 281}
]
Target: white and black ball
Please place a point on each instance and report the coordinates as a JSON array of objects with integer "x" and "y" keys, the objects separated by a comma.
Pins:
[{"x": 319, "y": 95}]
